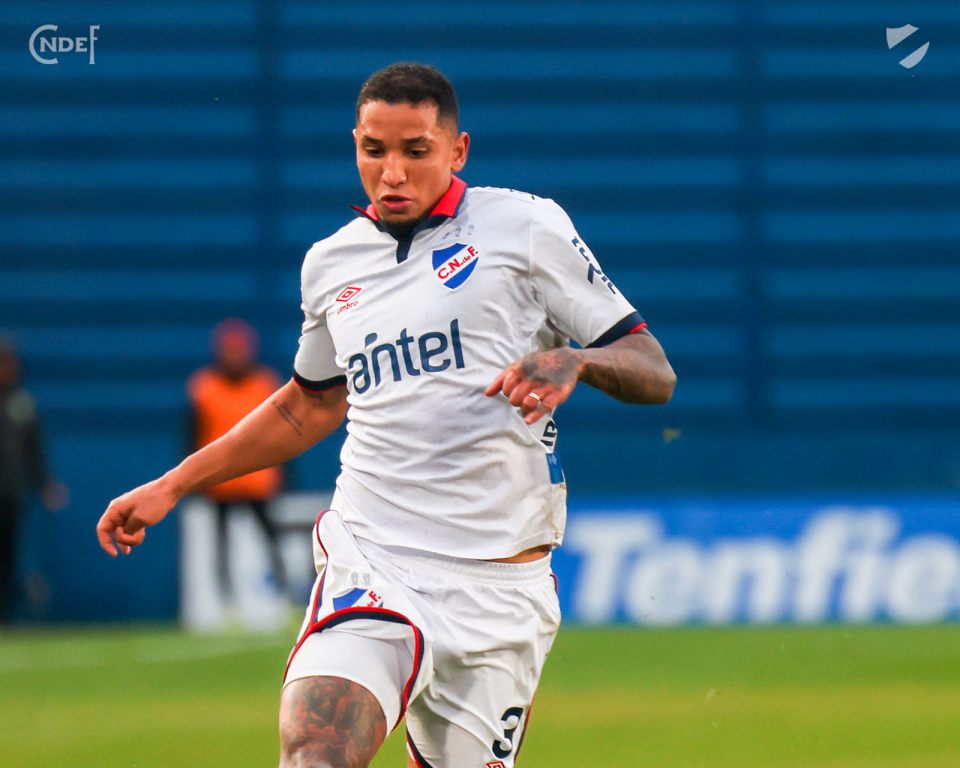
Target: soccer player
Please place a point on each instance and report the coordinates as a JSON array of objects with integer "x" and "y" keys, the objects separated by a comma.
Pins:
[{"x": 438, "y": 323}]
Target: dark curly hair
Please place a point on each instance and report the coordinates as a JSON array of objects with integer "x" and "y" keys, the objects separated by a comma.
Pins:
[{"x": 411, "y": 83}]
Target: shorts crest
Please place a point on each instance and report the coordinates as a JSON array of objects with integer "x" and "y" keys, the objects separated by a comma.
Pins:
[{"x": 362, "y": 598}]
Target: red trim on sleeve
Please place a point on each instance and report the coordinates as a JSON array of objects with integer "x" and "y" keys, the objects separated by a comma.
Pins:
[{"x": 642, "y": 325}]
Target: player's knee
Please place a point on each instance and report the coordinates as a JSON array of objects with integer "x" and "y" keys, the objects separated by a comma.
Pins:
[{"x": 328, "y": 722}]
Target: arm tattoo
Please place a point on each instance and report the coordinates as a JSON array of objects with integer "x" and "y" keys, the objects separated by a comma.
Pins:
[
  {"x": 617, "y": 376},
  {"x": 295, "y": 424},
  {"x": 330, "y": 722},
  {"x": 632, "y": 369},
  {"x": 556, "y": 367}
]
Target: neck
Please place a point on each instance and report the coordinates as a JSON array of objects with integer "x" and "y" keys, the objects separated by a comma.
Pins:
[{"x": 402, "y": 229}]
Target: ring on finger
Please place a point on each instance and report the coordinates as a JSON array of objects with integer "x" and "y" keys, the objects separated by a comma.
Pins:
[{"x": 537, "y": 397}]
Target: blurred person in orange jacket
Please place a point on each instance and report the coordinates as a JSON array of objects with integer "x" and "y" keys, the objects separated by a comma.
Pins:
[
  {"x": 221, "y": 395},
  {"x": 22, "y": 466}
]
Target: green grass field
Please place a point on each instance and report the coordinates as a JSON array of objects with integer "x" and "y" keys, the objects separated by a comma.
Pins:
[{"x": 829, "y": 697}]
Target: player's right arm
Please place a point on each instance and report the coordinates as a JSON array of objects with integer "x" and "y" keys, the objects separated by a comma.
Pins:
[{"x": 281, "y": 428}]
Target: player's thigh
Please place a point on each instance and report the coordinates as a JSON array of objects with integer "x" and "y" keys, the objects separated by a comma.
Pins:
[
  {"x": 475, "y": 709},
  {"x": 329, "y": 721},
  {"x": 475, "y": 718}
]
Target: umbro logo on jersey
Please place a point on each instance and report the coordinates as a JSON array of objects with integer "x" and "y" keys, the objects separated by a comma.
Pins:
[
  {"x": 496, "y": 764},
  {"x": 345, "y": 295},
  {"x": 453, "y": 265},
  {"x": 348, "y": 293}
]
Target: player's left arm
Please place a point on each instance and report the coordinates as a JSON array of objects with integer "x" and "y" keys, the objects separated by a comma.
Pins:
[{"x": 633, "y": 369}]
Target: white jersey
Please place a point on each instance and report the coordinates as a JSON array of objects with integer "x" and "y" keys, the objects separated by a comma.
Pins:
[{"x": 417, "y": 327}]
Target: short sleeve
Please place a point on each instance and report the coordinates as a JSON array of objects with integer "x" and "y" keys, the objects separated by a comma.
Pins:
[
  {"x": 579, "y": 299},
  {"x": 315, "y": 366}
]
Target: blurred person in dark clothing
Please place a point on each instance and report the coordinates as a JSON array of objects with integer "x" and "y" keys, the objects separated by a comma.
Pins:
[
  {"x": 221, "y": 395},
  {"x": 22, "y": 466}
]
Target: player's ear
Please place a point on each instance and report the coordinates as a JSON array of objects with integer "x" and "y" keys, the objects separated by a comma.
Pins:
[
  {"x": 458, "y": 155},
  {"x": 354, "y": 136}
]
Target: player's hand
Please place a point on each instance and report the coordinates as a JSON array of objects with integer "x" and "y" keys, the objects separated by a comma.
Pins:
[
  {"x": 539, "y": 382},
  {"x": 128, "y": 516}
]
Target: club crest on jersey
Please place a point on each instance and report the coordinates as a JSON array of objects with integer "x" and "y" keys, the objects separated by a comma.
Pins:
[
  {"x": 453, "y": 265},
  {"x": 360, "y": 598}
]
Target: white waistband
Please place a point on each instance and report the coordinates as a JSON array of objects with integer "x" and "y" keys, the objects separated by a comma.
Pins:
[{"x": 475, "y": 570}]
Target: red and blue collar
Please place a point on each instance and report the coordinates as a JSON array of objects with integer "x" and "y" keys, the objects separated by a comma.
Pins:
[{"x": 446, "y": 207}]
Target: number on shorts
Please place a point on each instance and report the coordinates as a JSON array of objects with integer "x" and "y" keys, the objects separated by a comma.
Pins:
[{"x": 511, "y": 721}]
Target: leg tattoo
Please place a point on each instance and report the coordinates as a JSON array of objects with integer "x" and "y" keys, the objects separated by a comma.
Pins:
[{"x": 328, "y": 722}]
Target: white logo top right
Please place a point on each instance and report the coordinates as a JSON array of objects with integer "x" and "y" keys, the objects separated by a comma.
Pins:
[{"x": 898, "y": 35}]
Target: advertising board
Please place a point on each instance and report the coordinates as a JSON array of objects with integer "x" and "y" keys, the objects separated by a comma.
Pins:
[{"x": 779, "y": 559}]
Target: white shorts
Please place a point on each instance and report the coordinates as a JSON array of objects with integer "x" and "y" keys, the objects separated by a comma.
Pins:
[{"x": 458, "y": 645}]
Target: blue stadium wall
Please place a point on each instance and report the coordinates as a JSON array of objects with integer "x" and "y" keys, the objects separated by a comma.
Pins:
[{"x": 777, "y": 195}]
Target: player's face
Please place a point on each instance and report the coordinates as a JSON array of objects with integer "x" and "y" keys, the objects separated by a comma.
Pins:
[{"x": 406, "y": 158}]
